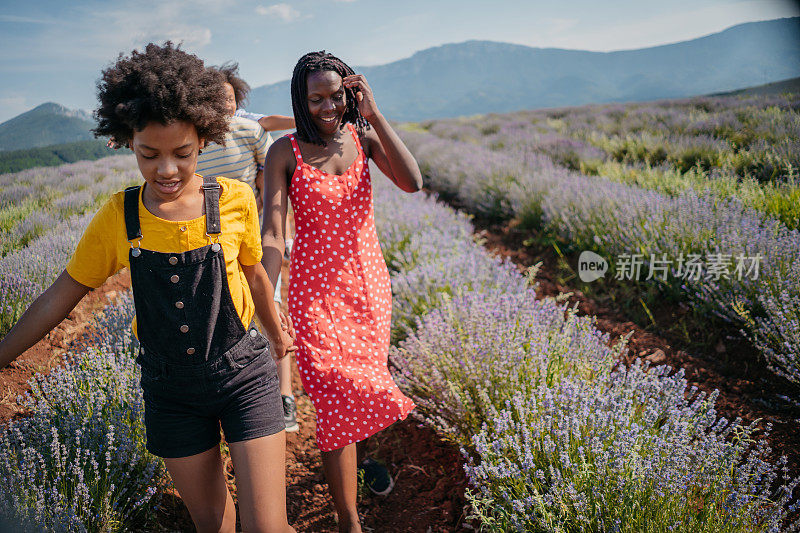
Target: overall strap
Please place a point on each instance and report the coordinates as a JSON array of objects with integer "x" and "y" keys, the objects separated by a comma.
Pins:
[
  {"x": 211, "y": 192},
  {"x": 132, "y": 227},
  {"x": 296, "y": 149}
]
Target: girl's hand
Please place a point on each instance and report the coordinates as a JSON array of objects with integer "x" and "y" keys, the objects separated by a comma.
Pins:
[
  {"x": 366, "y": 100},
  {"x": 282, "y": 346},
  {"x": 287, "y": 326}
]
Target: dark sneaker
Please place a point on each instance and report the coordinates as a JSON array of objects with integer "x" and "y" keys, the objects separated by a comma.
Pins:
[
  {"x": 376, "y": 477},
  {"x": 289, "y": 414}
]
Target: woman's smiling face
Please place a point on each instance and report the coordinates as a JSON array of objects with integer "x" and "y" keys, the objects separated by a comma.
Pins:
[
  {"x": 326, "y": 101},
  {"x": 167, "y": 157}
]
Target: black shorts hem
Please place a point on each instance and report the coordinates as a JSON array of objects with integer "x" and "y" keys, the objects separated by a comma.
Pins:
[{"x": 177, "y": 453}]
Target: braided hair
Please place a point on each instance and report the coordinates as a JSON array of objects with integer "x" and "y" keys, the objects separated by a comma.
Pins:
[{"x": 321, "y": 62}]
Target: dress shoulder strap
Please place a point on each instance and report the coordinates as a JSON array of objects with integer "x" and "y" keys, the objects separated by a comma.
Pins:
[
  {"x": 355, "y": 136},
  {"x": 296, "y": 149}
]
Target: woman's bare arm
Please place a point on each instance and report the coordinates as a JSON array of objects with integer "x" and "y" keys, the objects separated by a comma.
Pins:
[
  {"x": 262, "y": 291},
  {"x": 278, "y": 167},
  {"x": 277, "y": 122},
  {"x": 382, "y": 143}
]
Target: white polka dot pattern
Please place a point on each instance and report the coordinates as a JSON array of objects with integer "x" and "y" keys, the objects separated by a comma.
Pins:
[{"x": 340, "y": 301}]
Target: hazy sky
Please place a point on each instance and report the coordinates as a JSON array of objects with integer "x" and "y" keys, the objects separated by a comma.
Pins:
[{"x": 53, "y": 50}]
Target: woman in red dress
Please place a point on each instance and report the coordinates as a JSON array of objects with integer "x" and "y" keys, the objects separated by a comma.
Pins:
[{"x": 340, "y": 298}]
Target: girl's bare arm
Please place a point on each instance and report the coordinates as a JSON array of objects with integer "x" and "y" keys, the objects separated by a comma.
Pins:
[
  {"x": 278, "y": 166},
  {"x": 261, "y": 289},
  {"x": 45, "y": 313}
]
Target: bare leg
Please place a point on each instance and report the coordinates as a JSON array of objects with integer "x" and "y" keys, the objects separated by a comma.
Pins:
[
  {"x": 340, "y": 471},
  {"x": 201, "y": 484},
  {"x": 260, "y": 466},
  {"x": 285, "y": 375}
]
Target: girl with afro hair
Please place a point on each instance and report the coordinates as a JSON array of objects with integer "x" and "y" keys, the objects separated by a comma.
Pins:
[
  {"x": 339, "y": 293},
  {"x": 192, "y": 245}
]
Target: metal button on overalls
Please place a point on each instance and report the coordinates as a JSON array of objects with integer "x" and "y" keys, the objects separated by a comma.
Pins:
[{"x": 178, "y": 300}]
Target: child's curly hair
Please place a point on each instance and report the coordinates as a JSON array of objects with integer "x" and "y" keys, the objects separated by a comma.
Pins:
[
  {"x": 162, "y": 84},
  {"x": 240, "y": 87}
]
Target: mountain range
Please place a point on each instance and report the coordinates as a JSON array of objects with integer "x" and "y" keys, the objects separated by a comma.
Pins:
[
  {"x": 478, "y": 77},
  {"x": 481, "y": 76},
  {"x": 46, "y": 125}
]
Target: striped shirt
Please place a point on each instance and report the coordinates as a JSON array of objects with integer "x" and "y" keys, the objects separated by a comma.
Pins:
[{"x": 245, "y": 147}]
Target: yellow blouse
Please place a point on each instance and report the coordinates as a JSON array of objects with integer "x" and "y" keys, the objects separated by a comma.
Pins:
[{"x": 103, "y": 248}]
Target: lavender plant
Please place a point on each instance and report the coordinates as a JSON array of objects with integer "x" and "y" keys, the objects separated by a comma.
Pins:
[
  {"x": 78, "y": 463},
  {"x": 630, "y": 451},
  {"x": 32, "y": 202},
  {"x": 27, "y": 272},
  {"x": 477, "y": 351},
  {"x": 717, "y": 142},
  {"x": 432, "y": 254},
  {"x": 554, "y": 439}
]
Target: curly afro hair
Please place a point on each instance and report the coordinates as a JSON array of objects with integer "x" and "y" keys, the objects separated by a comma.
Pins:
[
  {"x": 162, "y": 84},
  {"x": 240, "y": 87}
]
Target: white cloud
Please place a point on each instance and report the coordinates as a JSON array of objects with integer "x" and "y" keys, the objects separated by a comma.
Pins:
[
  {"x": 285, "y": 12},
  {"x": 556, "y": 26}
]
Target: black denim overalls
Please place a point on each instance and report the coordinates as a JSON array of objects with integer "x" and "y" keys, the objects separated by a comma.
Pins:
[{"x": 200, "y": 366}]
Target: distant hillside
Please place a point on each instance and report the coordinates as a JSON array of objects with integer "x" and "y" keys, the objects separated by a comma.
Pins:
[
  {"x": 49, "y": 156},
  {"x": 45, "y": 125},
  {"x": 779, "y": 87},
  {"x": 480, "y": 77}
]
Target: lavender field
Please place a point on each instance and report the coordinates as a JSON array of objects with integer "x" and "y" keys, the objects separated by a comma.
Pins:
[
  {"x": 742, "y": 147},
  {"x": 710, "y": 181},
  {"x": 555, "y": 434},
  {"x": 43, "y": 212}
]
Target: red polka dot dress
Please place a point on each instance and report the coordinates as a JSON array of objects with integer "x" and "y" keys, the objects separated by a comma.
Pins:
[{"x": 340, "y": 301}]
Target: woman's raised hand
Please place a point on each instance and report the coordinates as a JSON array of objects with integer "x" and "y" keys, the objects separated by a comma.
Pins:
[{"x": 366, "y": 100}]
